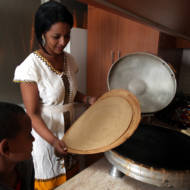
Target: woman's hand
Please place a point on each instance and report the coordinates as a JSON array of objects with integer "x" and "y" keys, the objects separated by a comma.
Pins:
[
  {"x": 60, "y": 148},
  {"x": 91, "y": 100},
  {"x": 87, "y": 100}
]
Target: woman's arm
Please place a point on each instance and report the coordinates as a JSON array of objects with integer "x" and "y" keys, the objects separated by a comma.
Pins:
[
  {"x": 30, "y": 96},
  {"x": 80, "y": 97}
]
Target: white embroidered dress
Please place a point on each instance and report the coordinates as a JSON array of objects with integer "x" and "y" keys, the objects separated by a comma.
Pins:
[{"x": 52, "y": 93}]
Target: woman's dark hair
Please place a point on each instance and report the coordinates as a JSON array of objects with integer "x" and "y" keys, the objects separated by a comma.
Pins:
[
  {"x": 9, "y": 124},
  {"x": 48, "y": 14}
]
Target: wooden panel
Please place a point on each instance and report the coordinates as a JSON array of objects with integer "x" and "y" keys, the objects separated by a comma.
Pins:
[
  {"x": 167, "y": 41},
  {"x": 169, "y": 16},
  {"x": 181, "y": 43},
  {"x": 136, "y": 37},
  {"x": 102, "y": 29}
]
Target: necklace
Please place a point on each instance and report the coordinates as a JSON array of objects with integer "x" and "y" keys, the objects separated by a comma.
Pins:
[{"x": 49, "y": 64}]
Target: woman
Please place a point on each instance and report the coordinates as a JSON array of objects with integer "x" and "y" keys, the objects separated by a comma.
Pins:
[{"x": 48, "y": 88}]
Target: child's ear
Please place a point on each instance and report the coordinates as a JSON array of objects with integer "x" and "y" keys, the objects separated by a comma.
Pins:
[{"x": 4, "y": 147}]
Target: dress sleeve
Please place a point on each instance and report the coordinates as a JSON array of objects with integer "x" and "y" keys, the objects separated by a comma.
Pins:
[{"x": 26, "y": 71}]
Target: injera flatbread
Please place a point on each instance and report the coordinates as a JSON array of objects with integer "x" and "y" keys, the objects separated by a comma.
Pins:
[{"x": 101, "y": 125}]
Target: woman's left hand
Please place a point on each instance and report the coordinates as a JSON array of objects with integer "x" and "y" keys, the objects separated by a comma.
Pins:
[{"x": 87, "y": 100}]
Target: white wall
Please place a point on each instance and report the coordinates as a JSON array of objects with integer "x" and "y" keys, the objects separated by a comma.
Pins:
[
  {"x": 15, "y": 34},
  {"x": 78, "y": 46}
]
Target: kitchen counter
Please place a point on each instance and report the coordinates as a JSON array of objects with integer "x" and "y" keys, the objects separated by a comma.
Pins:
[{"x": 97, "y": 177}]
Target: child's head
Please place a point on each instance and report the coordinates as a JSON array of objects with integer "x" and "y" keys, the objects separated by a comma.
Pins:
[{"x": 15, "y": 133}]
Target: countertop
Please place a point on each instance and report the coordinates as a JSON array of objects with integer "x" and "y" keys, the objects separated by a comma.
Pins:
[{"x": 97, "y": 177}]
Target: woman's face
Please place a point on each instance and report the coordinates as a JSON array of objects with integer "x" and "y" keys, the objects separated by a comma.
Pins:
[{"x": 57, "y": 37}]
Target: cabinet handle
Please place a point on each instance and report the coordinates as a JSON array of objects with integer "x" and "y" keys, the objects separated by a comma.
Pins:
[
  {"x": 119, "y": 54},
  {"x": 112, "y": 56}
]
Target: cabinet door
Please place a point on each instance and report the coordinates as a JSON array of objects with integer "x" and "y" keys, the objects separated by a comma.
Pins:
[
  {"x": 102, "y": 39},
  {"x": 109, "y": 37},
  {"x": 181, "y": 43},
  {"x": 136, "y": 37}
]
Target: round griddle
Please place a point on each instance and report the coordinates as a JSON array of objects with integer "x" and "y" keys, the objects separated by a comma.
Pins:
[
  {"x": 157, "y": 147},
  {"x": 146, "y": 76},
  {"x": 155, "y": 155}
]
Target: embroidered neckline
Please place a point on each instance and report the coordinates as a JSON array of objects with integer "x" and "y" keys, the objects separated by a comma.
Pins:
[{"x": 37, "y": 53}]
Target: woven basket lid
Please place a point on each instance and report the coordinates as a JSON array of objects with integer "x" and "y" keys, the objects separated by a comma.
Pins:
[{"x": 106, "y": 124}]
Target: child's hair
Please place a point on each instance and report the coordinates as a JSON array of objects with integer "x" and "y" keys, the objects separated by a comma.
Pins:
[{"x": 9, "y": 124}]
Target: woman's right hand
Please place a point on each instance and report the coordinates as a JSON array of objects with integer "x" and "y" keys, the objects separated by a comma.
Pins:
[
  {"x": 60, "y": 148},
  {"x": 92, "y": 100}
]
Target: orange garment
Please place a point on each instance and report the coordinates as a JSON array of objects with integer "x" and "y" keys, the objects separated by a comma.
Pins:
[{"x": 49, "y": 184}]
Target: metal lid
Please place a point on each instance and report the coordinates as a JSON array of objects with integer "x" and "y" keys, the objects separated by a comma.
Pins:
[{"x": 147, "y": 76}]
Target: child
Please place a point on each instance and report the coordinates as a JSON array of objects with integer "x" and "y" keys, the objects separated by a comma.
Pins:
[{"x": 16, "y": 168}]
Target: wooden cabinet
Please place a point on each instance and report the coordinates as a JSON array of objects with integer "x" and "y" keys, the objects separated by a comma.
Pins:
[
  {"x": 181, "y": 43},
  {"x": 133, "y": 37},
  {"x": 169, "y": 16},
  {"x": 167, "y": 41},
  {"x": 102, "y": 32},
  {"x": 109, "y": 37}
]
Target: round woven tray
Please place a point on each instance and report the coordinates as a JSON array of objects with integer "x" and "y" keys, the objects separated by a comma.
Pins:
[{"x": 105, "y": 125}]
